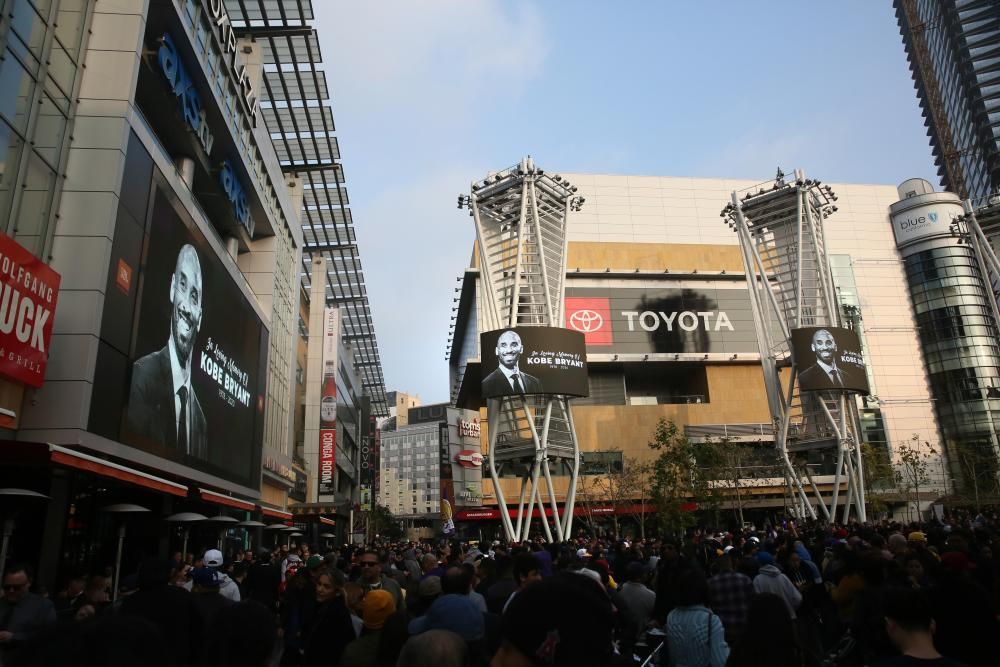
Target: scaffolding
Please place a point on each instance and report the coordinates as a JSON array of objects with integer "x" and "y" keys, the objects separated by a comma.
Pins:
[
  {"x": 780, "y": 230},
  {"x": 520, "y": 215}
]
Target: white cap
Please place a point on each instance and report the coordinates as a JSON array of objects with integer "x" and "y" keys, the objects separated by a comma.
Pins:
[
  {"x": 213, "y": 558},
  {"x": 727, "y": 549},
  {"x": 582, "y": 553}
]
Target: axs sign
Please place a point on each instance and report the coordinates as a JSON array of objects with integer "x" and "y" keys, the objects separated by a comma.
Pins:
[{"x": 29, "y": 290}]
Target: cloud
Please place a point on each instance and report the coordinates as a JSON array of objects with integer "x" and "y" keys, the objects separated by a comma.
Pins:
[{"x": 414, "y": 85}]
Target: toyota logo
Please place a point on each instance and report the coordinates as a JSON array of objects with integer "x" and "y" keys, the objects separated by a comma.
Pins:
[{"x": 586, "y": 321}]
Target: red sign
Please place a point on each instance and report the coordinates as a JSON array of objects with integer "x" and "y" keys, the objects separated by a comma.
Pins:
[
  {"x": 591, "y": 316},
  {"x": 469, "y": 459},
  {"x": 327, "y": 460},
  {"x": 29, "y": 290},
  {"x": 123, "y": 276}
]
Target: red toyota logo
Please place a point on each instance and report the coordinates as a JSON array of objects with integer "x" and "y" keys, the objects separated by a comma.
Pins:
[{"x": 592, "y": 317}]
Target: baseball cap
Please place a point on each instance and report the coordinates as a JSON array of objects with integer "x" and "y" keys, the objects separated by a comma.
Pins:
[
  {"x": 314, "y": 562},
  {"x": 583, "y": 553},
  {"x": 452, "y": 612},
  {"x": 916, "y": 536},
  {"x": 293, "y": 558},
  {"x": 206, "y": 577},
  {"x": 213, "y": 558},
  {"x": 564, "y": 620},
  {"x": 377, "y": 606},
  {"x": 765, "y": 558}
]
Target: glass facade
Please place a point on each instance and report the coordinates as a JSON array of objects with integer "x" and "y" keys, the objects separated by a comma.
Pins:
[
  {"x": 959, "y": 337},
  {"x": 958, "y": 41},
  {"x": 40, "y": 42}
]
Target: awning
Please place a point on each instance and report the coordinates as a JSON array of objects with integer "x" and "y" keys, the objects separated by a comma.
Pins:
[
  {"x": 275, "y": 513},
  {"x": 228, "y": 501},
  {"x": 327, "y": 522},
  {"x": 80, "y": 461}
]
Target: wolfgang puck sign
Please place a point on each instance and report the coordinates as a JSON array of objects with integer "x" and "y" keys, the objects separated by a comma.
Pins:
[{"x": 29, "y": 290}]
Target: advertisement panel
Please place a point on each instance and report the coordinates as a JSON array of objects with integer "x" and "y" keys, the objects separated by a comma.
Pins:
[
  {"x": 533, "y": 360},
  {"x": 662, "y": 320},
  {"x": 29, "y": 290},
  {"x": 829, "y": 358},
  {"x": 195, "y": 368},
  {"x": 925, "y": 221},
  {"x": 446, "y": 483},
  {"x": 465, "y": 458},
  {"x": 328, "y": 405}
]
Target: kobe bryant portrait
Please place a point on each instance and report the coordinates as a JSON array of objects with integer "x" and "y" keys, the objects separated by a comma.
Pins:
[
  {"x": 508, "y": 379},
  {"x": 162, "y": 404},
  {"x": 825, "y": 373}
]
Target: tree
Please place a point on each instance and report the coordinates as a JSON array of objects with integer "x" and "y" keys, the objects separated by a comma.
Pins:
[
  {"x": 879, "y": 476},
  {"x": 979, "y": 469},
  {"x": 384, "y": 523},
  {"x": 620, "y": 488},
  {"x": 913, "y": 469},
  {"x": 677, "y": 479}
]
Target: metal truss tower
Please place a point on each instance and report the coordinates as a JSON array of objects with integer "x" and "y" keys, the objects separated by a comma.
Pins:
[
  {"x": 780, "y": 229},
  {"x": 520, "y": 215}
]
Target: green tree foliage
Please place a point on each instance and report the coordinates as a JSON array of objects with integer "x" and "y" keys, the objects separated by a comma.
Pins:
[{"x": 678, "y": 480}]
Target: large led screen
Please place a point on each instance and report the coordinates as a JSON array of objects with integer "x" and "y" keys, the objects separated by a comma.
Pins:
[
  {"x": 533, "y": 360},
  {"x": 829, "y": 358},
  {"x": 182, "y": 365}
]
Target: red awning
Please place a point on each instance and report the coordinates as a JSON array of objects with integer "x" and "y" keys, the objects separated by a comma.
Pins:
[
  {"x": 275, "y": 513},
  {"x": 327, "y": 522},
  {"x": 80, "y": 461},
  {"x": 228, "y": 501}
]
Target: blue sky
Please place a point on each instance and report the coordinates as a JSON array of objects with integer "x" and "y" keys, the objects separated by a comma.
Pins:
[{"x": 428, "y": 96}]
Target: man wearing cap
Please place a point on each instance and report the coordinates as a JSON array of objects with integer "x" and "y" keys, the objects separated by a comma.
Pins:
[
  {"x": 456, "y": 613},
  {"x": 206, "y": 582},
  {"x": 227, "y": 587},
  {"x": 377, "y": 606},
  {"x": 372, "y": 579}
]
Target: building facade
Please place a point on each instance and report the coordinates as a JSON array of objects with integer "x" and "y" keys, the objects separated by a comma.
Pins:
[
  {"x": 149, "y": 191},
  {"x": 656, "y": 282},
  {"x": 952, "y": 49}
]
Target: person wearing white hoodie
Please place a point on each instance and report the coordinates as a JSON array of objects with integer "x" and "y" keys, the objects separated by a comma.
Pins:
[
  {"x": 770, "y": 579},
  {"x": 227, "y": 587}
]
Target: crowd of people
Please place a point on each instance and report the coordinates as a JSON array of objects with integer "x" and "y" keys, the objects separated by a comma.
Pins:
[{"x": 796, "y": 596}]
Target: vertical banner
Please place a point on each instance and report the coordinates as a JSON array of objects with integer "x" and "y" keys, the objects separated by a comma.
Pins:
[
  {"x": 328, "y": 405},
  {"x": 447, "y": 486}
]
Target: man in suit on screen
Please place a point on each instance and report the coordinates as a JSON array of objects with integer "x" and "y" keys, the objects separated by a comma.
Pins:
[
  {"x": 508, "y": 379},
  {"x": 162, "y": 404},
  {"x": 825, "y": 373}
]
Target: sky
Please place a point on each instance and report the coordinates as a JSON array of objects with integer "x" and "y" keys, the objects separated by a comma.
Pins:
[{"x": 429, "y": 96}]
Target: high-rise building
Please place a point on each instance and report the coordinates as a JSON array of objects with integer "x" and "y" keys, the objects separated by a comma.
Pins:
[
  {"x": 952, "y": 46},
  {"x": 159, "y": 201}
]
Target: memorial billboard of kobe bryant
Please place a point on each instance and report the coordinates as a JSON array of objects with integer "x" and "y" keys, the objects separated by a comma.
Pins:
[
  {"x": 197, "y": 371},
  {"x": 829, "y": 358},
  {"x": 533, "y": 360}
]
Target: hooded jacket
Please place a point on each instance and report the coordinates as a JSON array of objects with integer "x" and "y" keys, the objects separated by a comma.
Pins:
[{"x": 770, "y": 579}]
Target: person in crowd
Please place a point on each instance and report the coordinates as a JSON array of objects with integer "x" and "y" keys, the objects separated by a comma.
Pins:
[
  {"x": 243, "y": 635},
  {"x": 638, "y": 597},
  {"x": 170, "y": 609},
  {"x": 434, "y": 648},
  {"x": 372, "y": 577},
  {"x": 377, "y": 606},
  {"x": 69, "y": 599},
  {"x": 330, "y": 629},
  {"x": 695, "y": 636},
  {"x": 768, "y": 637},
  {"x": 23, "y": 614},
  {"x": 459, "y": 580},
  {"x": 263, "y": 580},
  {"x": 503, "y": 586},
  {"x": 671, "y": 570},
  {"x": 353, "y": 596},
  {"x": 729, "y": 595},
  {"x": 206, "y": 595},
  {"x": 563, "y": 621},
  {"x": 910, "y": 625},
  {"x": 770, "y": 579},
  {"x": 527, "y": 571},
  {"x": 227, "y": 587}
]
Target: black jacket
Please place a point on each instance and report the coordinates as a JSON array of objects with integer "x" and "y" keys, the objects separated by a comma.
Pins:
[
  {"x": 329, "y": 633},
  {"x": 496, "y": 384},
  {"x": 174, "y": 612}
]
